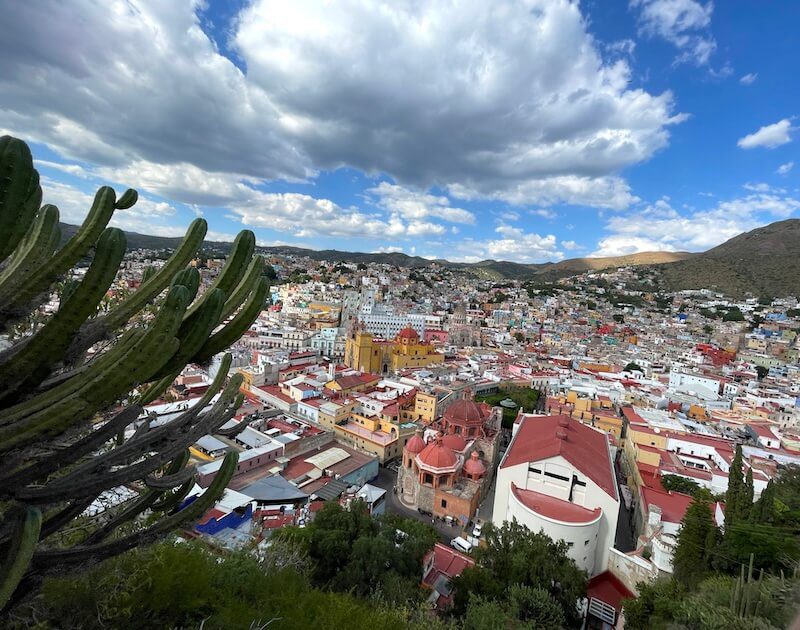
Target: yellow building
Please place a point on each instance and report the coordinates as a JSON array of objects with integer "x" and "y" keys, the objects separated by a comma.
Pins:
[
  {"x": 425, "y": 407},
  {"x": 364, "y": 353}
]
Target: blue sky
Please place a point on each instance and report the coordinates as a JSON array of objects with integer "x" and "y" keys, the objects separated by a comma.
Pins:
[{"x": 525, "y": 130}]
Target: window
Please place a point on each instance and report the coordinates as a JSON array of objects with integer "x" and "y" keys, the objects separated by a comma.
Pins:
[
  {"x": 427, "y": 478},
  {"x": 444, "y": 503},
  {"x": 585, "y": 542},
  {"x": 570, "y": 545},
  {"x": 555, "y": 476},
  {"x": 534, "y": 470}
]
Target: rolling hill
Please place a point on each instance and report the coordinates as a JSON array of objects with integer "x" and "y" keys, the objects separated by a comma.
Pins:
[{"x": 764, "y": 261}]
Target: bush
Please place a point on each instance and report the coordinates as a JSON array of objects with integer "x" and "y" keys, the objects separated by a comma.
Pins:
[{"x": 184, "y": 585}]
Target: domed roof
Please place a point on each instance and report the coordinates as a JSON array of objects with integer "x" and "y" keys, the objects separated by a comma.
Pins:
[
  {"x": 464, "y": 411},
  {"x": 455, "y": 442},
  {"x": 408, "y": 333},
  {"x": 415, "y": 444},
  {"x": 474, "y": 466},
  {"x": 437, "y": 455}
]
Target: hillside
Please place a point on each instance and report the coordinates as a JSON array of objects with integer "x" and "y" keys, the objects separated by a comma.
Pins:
[
  {"x": 764, "y": 261},
  {"x": 491, "y": 269}
]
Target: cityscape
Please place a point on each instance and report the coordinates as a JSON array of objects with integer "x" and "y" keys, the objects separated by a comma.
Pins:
[{"x": 354, "y": 372}]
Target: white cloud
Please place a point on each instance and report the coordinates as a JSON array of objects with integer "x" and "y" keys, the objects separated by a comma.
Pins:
[
  {"x": 411, "y": 204},
  {"x": 683, "y": 23},
  {"x": 659, "y": 227},
  {"x": 769, "y": 136},
  {"x": 510, "y": 100},
  {"x": 391, "y": 249},
  {"x": 783, "y": 169},
  {"x": 545, "y": 213},
  {"x": 570, "y": 245},
  {"x": 749, "y": 79}
]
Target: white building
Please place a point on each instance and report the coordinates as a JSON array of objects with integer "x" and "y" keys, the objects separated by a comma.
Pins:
[{"x": 557, "y": 477}]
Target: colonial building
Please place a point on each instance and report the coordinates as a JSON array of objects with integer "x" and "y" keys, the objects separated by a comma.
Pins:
[
  {"x": 449, "y": 473},
  {"x": 365, "y": 353},
  {"x": 557, "y": 476}
]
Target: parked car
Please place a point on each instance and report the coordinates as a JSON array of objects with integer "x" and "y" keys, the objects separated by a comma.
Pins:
[
  {"x": 461, "y": 544},
  {"x": 476, "y": 531}
]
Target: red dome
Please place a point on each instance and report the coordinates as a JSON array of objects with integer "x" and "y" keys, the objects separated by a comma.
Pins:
[
  {"x": 437, "y": 455},
  {"x": 415, "y": 444},
  {"x": 474, "y": 466},
  {"x": 454, "y": 442},
  {"x": 408, "y": 333},
  {"x": 464, "y": 412}
]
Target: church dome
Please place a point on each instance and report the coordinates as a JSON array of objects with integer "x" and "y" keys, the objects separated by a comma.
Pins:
[
  {"x": 454, "y": 442},
  {"x": 464, "y": 412},
  {"x": 408, "y": 333},
  {"x": 415, "y": 444},
  {"x": 474, "y": 466},
  {"x": 437, "y": 455}
]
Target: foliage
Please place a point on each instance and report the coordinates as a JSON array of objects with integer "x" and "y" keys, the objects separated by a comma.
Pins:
[
  {"x": 514, "y": 557},
  {"x": 525, "y": 397},
  {"x": 676, "y": 483},
  {"x": 185, "y": 585},
  {"x": 56, "y": 451},
  {"x": 761, "y": 372},
  {"x": 632, "y": 366},
  {"x": 717, "y": 603},
  {"x": 733, "y": 315},
  {"x": 350, "y": 551},
  {"x": 693, "y": 554}
]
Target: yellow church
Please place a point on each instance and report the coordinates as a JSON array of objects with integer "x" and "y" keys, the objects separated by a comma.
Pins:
[{"x": 365, "y": 353}]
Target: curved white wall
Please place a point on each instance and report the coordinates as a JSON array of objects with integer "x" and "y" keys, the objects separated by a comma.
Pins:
[{"x": 576, "y": 534}]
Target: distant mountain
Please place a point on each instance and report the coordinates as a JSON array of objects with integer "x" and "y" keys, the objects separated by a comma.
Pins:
[
  {"x": 490, "y": 269},
  {"x": 764, "y": 261}
]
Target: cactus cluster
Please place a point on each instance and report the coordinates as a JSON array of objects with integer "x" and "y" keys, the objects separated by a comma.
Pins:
[{"x": 64, "y": 410}]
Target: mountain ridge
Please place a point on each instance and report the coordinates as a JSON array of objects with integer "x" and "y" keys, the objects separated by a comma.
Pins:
[
  {"x": 763, "y": 261},
  {"x": 489, "y": 268}
]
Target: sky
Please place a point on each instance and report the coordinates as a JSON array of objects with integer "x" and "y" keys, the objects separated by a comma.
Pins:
[{"x": 523, "y": 130}]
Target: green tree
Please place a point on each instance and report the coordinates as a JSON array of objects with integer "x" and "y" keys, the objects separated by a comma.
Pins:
[
  {"x": 708, "y": 329},
  {"x": 735, "y": 508},
  {"x": 62, "y": 430},
  {"x": 514, "y": 555},
  {"x": 761, "y": 372},
  {"x": 692, "y": 560},
  {"x": 733, "y": 315},
  {"x": 632, "y": 366},
  {"x": 656, "y": 606}
]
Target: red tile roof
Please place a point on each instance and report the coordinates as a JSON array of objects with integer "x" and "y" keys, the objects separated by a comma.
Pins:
[
  {"x": 608, "y": 588},
  {"x": 673, "y": 504},
  {"x": 584, "y": 447},
  {"x": 554, "y": 508}
]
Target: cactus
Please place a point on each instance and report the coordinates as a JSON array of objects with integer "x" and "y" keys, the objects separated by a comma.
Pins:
[{"x": 63, "y": 416}]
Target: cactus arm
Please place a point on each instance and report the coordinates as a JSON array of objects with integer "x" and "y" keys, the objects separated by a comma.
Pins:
[
  {"x": 235, "y": 328},
  {"x": 134, "y": 508},
  {"x": 74, "y": 452},
  {"x": 127, "y": 200},
  {"x": 194, "y": 332},
  {"x": 169, "y": 481},
  {"x": 31, "y": 365},
  {"x": 172, "y": 500},
  {"x": 94, "y": 477},
  {"x": 77, "y": 247},
  {"x": 232, "y": 272},
  {"x": 56, "y": 521},
  {"x": 37, "y": 246},
  {"x": 19, "y": 553},
  {"x": 158, "y": 282},
  {"x": 234, "y": 430},
  {"x": 66, "y": 385},
  {"x": 20, "y": 193},
  {"x": 245, "y": 286},
  {"x": 134, "y": 365},
  {"x": 190, "y": 278},
  {"x": 191, "y": 512}
]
